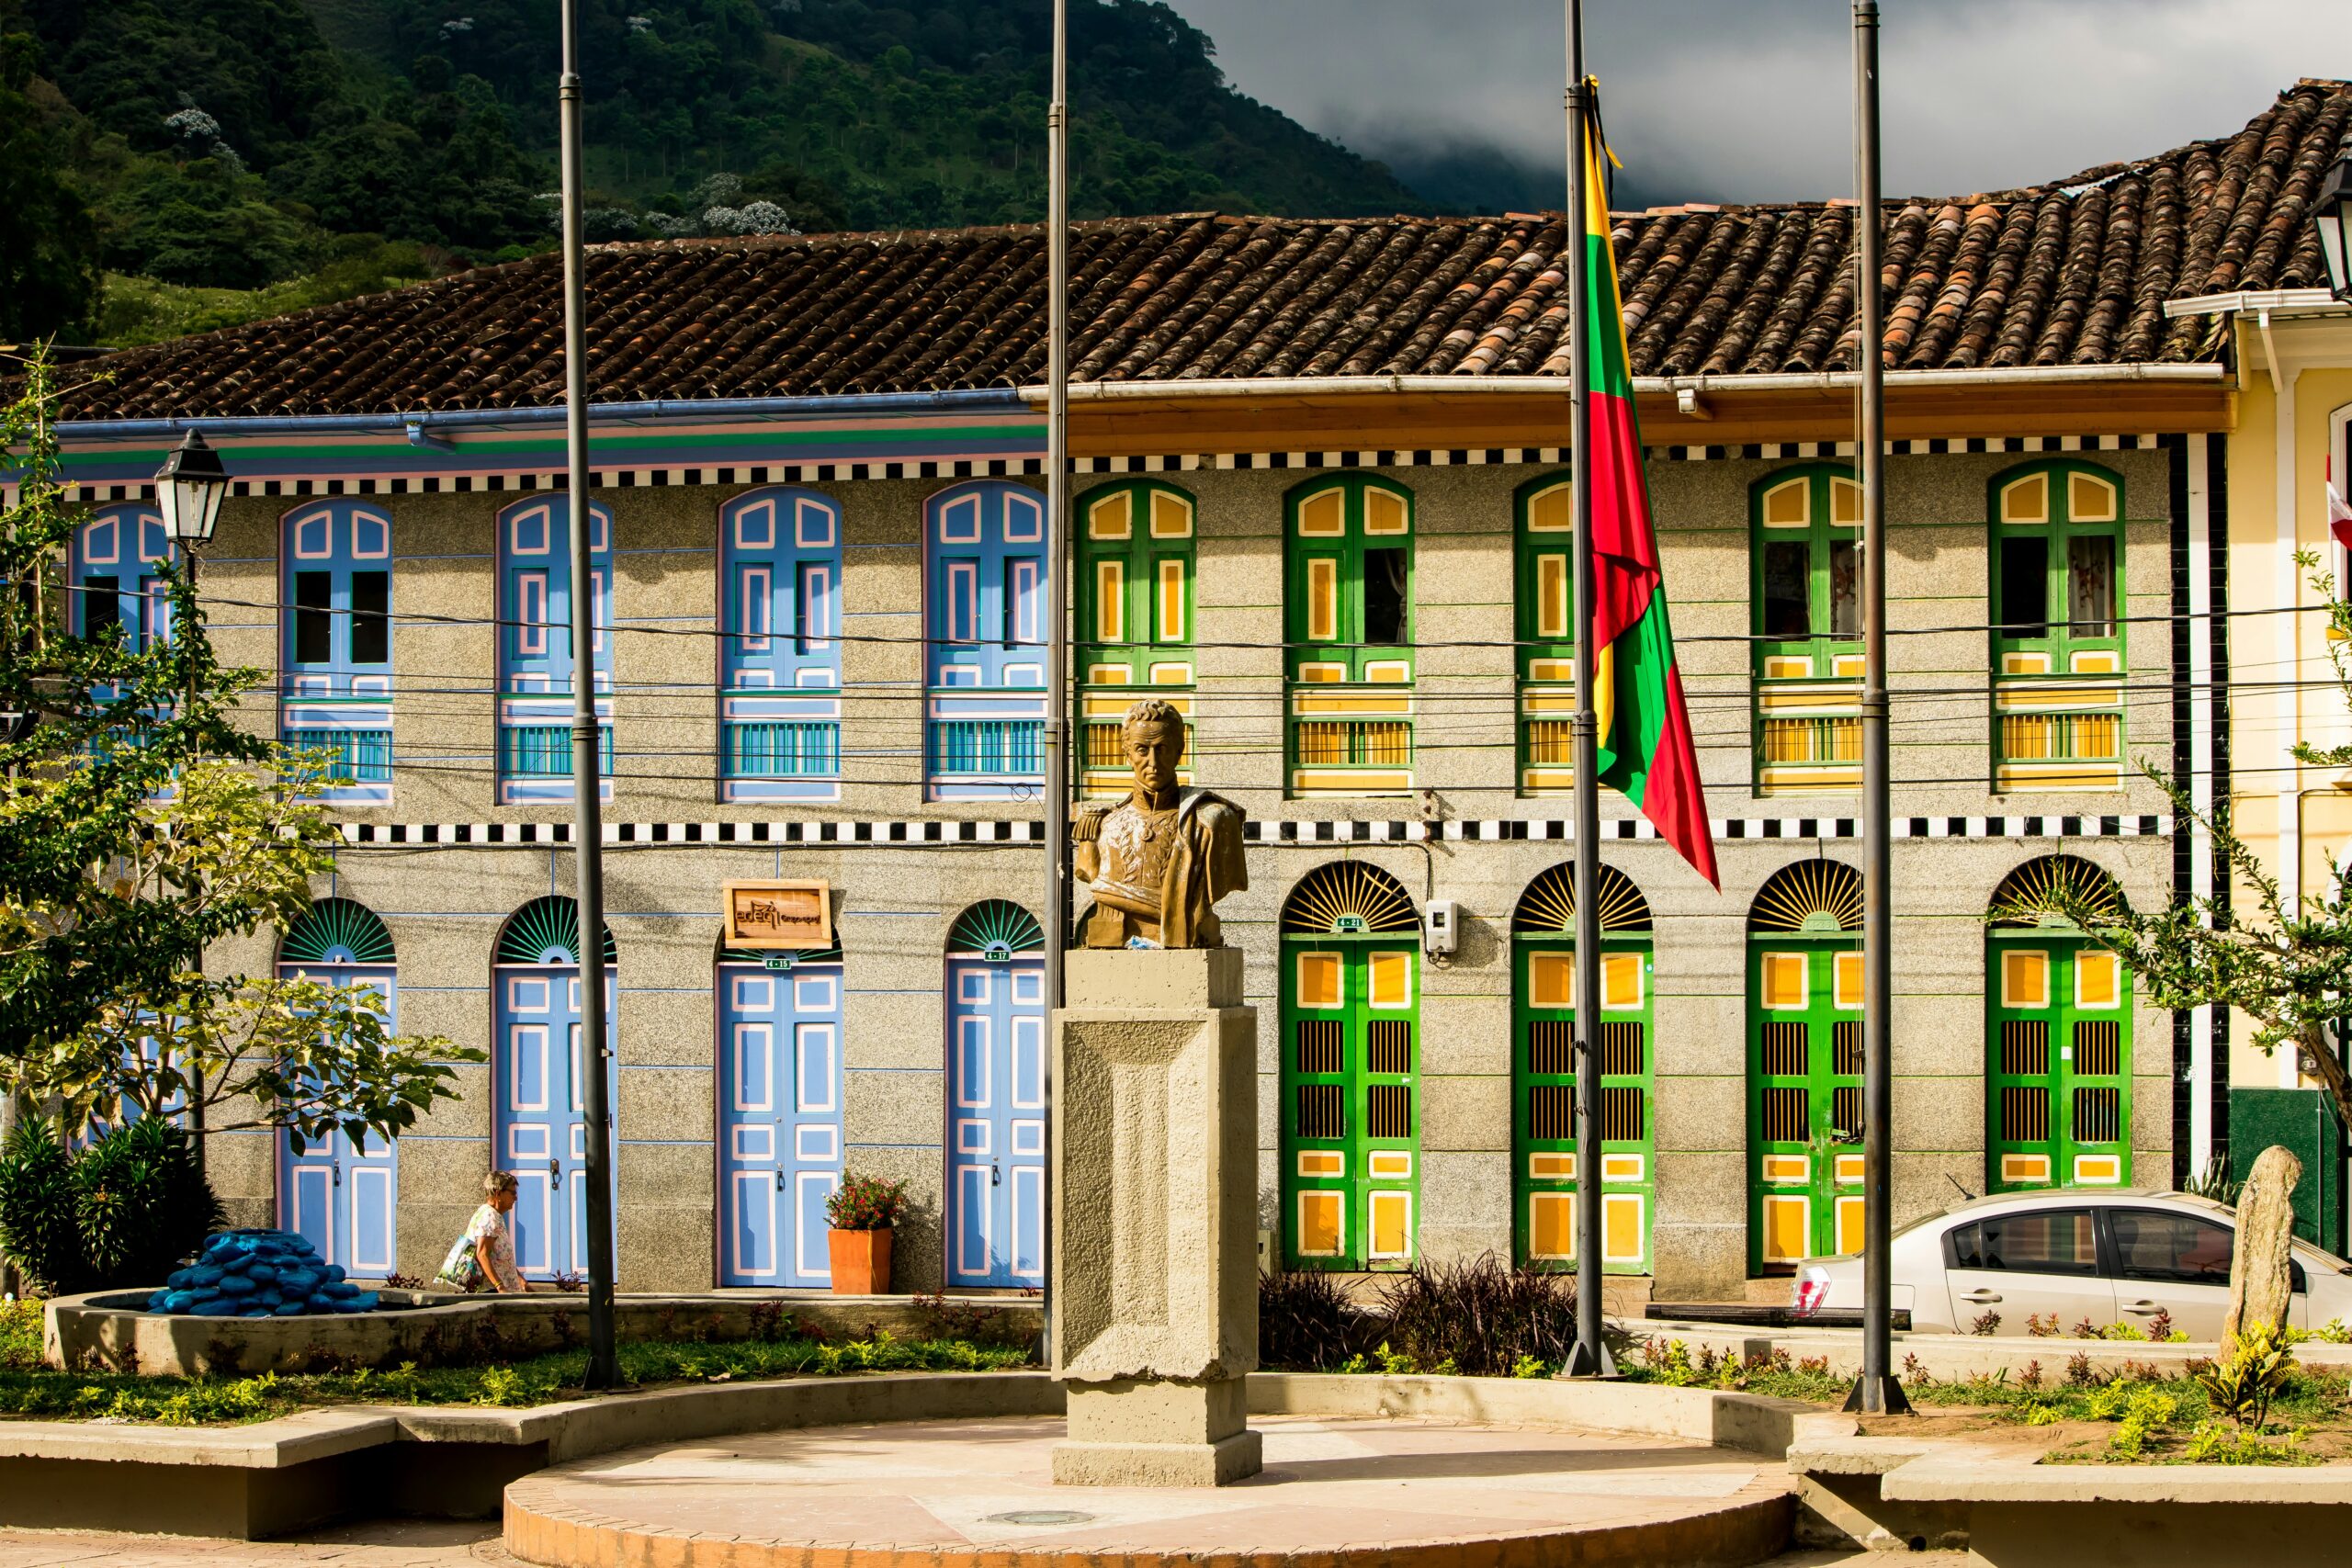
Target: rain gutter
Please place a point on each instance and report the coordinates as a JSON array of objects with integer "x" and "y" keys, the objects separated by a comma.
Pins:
[
  {"x": 1557, "y": 386},
  {"x": 426, "y": 428}
]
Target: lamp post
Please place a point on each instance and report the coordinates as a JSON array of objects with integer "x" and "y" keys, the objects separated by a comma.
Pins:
[
  {"x": 189, "y": 488},
  {"x": 2332, "y": 216}
]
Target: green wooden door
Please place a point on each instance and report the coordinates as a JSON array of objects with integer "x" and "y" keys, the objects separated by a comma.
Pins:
[
  {"x": 2058, "y": 1067},
  {"x": 1544, "y": 1077},
  {"x": 1351, "y": 1093},
  {"x": 1804, "y": 1098}
]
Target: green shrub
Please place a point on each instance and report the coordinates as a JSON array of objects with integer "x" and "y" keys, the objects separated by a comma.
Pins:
[
  {"x": 123, "y": 1211},
  {"x": 37, "y": 1218}
]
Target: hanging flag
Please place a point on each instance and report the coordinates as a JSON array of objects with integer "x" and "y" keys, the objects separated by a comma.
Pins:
[
  {"x": 1644, "y": 724},
  {"x": 2339, "y": 516}
]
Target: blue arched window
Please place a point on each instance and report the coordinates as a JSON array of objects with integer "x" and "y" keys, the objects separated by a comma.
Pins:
[
  {"x": 984, "y": 618},
  {"x": 780, "y": 662},
  {"x": 335, "y": 641},
  {"x": 534, "y": 656},
  {"x": 118, "y": 564}
]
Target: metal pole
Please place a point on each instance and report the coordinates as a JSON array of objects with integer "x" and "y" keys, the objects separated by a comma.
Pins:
[
  {"x": 1057, "y": 578},
  {"x": 588, "y": 825},
  {"x": 1591, "y": 1358},
  {"x": 193, "y": 1068},
  {"x": 1877, "y": 1389}
]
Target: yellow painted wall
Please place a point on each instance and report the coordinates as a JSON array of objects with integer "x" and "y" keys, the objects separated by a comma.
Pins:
[{"x": 2283, "y": 686}]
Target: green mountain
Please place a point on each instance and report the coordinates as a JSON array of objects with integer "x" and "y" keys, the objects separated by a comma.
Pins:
[{"x": 169, "y": 166}]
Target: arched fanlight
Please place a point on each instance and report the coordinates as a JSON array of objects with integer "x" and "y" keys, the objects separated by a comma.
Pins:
[
  {"x": 1548, "y": 908},
  {"x": 336, "y": 931},
  {"x": 1813, "y": 897},
  {"x": 1349, "y": 897},
  {"x": 547, "y": 931},
  {"x": 2056, "y": 891},
  {"x": 996, "y": 929}
]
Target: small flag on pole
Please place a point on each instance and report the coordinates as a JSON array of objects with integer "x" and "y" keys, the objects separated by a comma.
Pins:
[{"x": 1646, "y": 752}]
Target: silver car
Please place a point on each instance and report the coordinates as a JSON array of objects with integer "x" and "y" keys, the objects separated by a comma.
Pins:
[{"x": 2107, "y": 1256}]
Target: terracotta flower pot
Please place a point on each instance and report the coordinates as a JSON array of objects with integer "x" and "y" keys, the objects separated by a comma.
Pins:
[{"x": 861, "y": 1262}]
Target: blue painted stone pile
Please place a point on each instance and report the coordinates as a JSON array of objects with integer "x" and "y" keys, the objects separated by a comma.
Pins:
[{"x": 260, "y": 1273}]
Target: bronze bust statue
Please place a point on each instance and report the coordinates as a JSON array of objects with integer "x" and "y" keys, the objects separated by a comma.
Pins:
[{"x": 1158, "y": 861}]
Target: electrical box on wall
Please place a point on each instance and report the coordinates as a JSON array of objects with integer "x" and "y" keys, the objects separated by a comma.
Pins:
[{"x": 1441, "y": 919}]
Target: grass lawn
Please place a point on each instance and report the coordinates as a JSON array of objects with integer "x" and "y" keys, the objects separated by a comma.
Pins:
[
  {"x": 28, "y": 1389},
  {"x": 2074, "y": 1414}
]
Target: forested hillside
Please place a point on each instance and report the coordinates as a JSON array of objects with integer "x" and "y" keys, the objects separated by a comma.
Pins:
[{"x": 167, "y": 165}]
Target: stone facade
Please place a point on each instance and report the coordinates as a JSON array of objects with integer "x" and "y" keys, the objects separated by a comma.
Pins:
[{"x": 896, "y": 901}]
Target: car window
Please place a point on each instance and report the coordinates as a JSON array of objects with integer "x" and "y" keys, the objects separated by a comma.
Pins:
[
  {"x": 2040, "y": 1241},
  {"x": 2178, "y": 1248}
]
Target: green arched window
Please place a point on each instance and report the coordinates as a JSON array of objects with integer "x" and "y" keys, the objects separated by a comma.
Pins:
[
  {"x": 1804, "y": 1065},
  {"x": 1134, "y": 615},
  {"x": 2058, "y": 1058},
  {"x": 1544, "y": 1072},
  {"x": 2057, "y": 615},
  {"x": 1350, "y": 1071},
  {"x": 1805, "y": 590},
  {"x": 1545, "y": 559},
  {"x": 1348, "y": 622}
]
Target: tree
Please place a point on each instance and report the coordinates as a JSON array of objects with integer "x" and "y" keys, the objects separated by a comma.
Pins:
[
  {"x": 2285, "y": 965},
  {"x": 49, "y": 246},
  {"x": 137, "y": 825}
]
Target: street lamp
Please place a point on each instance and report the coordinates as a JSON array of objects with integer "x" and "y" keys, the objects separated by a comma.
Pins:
[
  {"x": 2332, "y": 216},
  {"x": 188, "y": 489}
]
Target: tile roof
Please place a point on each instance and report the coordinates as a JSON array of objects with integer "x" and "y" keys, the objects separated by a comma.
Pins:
[{"x": 2073, "y": 273}]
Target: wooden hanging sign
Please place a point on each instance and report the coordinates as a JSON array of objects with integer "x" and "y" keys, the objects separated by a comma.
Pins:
[{"x": 779, "y": 915}]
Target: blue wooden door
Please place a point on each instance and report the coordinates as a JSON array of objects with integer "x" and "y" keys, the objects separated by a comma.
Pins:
[
  {"x": 335, "y": 642},
  {"x": 535, "y": 654},
  {"x": 340, "y": 1194},
  {"x": 779, "y": 1121},
  {"x": 985, "y": 605},
  {"x": 996, "y": 1121},
  {"x": 542, "y": 1127}
]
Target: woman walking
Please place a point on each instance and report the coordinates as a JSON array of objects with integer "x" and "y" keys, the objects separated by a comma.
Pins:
[{"x": 483, "y": 1258}]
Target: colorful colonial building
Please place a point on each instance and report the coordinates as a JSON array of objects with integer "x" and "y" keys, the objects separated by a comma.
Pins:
[{"x": 1321, "y": 507}]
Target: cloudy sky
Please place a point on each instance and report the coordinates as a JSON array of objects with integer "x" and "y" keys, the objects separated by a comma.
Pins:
[{"x": 1749, "y": 99}]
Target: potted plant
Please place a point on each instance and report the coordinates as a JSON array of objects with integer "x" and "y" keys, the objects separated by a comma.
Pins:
[{"x": 861, "y": 1213}]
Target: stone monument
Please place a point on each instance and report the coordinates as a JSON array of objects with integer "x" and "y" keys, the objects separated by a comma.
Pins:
[{"x": 1155, "y": 1139}]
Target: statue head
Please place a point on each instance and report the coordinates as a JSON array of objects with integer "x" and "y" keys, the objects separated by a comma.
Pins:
[{"x": 1153, "y": 735}]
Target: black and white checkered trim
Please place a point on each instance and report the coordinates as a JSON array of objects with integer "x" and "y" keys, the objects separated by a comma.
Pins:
[
  {"x": 1272, "y": 831},
  {"x": 1161, "y": 463}
]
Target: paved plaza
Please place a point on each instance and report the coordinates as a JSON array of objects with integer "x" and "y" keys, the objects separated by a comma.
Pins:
[{"x": 969, "y": 1491}]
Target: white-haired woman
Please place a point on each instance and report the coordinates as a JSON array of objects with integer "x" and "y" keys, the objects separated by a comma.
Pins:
[{"x": 483, "y": 1258}]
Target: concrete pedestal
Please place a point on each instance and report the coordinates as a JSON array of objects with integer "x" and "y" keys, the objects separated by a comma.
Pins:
[{"x": 1155, "y": 1218}]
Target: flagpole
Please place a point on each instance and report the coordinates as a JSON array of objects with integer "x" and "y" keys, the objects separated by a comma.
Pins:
[
  {"x": 1877, "y": 1389},
  {"x": 1056, "y": 737},
  {"x": 1590, "y": 1356},
  {"x": 588, "y": 833}
]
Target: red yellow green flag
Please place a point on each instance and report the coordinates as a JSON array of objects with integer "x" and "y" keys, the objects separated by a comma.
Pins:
[{"x": 1644, "y": 724}]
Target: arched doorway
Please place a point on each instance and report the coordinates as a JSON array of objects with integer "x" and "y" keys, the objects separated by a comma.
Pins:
[
  {"x": 341, "y": 1194},
  {"x": 2058, "y": 1049},
  {"x": 780, "y": 1113},
  {"x": 1804, "y": 1065},
  {"x": 996, "y": 1097},
  {"x": 1544, "y": 1072},
  {"x": 1351, "y": 1076},
  {"x": 539, "y": 1127}
]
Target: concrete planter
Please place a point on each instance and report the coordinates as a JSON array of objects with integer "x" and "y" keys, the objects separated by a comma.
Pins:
[
  {"x": 861, "y": 1262},
  {"x": 111, "y": 1328}
]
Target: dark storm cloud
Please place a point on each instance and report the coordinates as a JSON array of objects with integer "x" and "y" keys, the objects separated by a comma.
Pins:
[{"x": 1738, "y": 100}]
